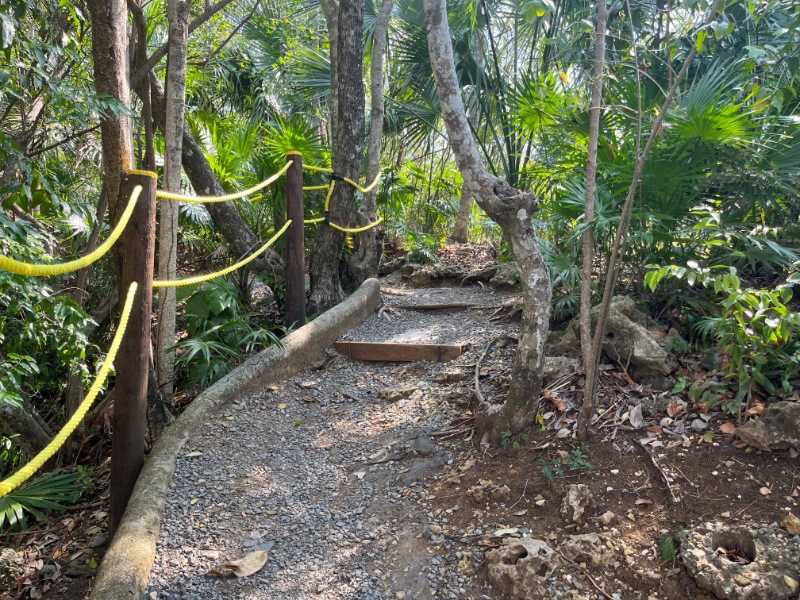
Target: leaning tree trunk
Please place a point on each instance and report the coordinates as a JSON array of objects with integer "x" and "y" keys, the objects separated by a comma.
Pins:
[
  {"x": 32, "y": 432},
  {"x": 178, "y": 14},
  {"x": 348, "y": 143},
  {"x": 512, "y": 210},
  {"x": 227, "y": 219},
  {"x": 364, "y": 263}
]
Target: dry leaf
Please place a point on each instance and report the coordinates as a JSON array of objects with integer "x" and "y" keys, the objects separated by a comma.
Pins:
[
  {"x": 644, "y": 501},
  {"x": 765, "y": 491},
  {"x": 193, "y": 501},
  {"x": 655, "y": 430},
  {"x": 308, "y": 399},
  {"x": 271, "y": 512},
  {"x": 249, "y": 564},
  {"x": 281, "y": 406},
  {"x": 521, "y": 513},
  {"x": 502, "y": 532},
  {"x": 742, "y": 445},
  {"x": 754, "y": 410},
  {"x": 795, "y": 494},
  {"x": 636, "y": 419},
  {"x": 673, "y": 408},
  {"x": 563, "y": 432},
  {"x": 790, "y": 582},
  {"x": 191, "y": 454},
  {"x": 728, "y": 428}
]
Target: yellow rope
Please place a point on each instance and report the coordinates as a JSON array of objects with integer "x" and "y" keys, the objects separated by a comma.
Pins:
[
  {"x": 315, "y": 187},
  {"x": 357, "y": 229},
  {"x": 236, "y": 196},
  {"x": 202, "y": 278},
  {"x": 34, "y": 465},
  {"x": 145, "y": 173},
  {"x": 320, "y": 220},
  {"x": 21, "y": 268},
  {"x": 362, "y": 189},
  {"x": 318, "y": 169}
]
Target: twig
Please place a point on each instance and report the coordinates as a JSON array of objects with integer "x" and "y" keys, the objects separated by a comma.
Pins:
[
  {"x": 660, "y": 470},
  {"x": 585, "y": 572},
  {"x": 451, "y": 433},
  {"x": 440, "y": 306},
  {"x": 745, "y": 508},
  {"x": 521, "y": 497},
  {"x": 351, "y": 397},
  {"x": 480, "y": 565}
]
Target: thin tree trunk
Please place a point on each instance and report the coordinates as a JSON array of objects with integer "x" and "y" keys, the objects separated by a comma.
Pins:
[
  {"x": 588, "y": 214},
  {"x": 330, "y": 9},
  {"x": 512, "y": 210},
  {"x": 618, "y": 249},
  {"x": 178, "y": 14},
  {"x": 365, "y": 261},
  {"x": 348, "y": 144}
]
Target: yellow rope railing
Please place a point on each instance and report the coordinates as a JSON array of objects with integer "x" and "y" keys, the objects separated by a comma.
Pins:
[
  {"x": 21, "y": 268},
  {"x": 236, "y": 196},
  {"x": 34, "y": 465},
  {"x": 210, "y": 276}
]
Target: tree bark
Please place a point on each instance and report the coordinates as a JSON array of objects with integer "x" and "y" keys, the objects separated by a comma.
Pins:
[
  {"x": 34, "y": 434},
  {"x": 330, "y": 9},
  {"x": 588, "y": 216},
  {"x": 178, "y": 15},
  {"x": 512, "y": 210},
  {"x": 348, "y": 144},
  {"x": 110, "y": 54},
  {"x": 227, "y": 219},
  {"x": 364, "y": 263}
]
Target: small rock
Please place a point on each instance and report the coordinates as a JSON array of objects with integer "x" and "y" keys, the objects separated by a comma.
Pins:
[
  {"x": 520, "y": 569},
  {"x": 395, "y": 394},
  {"x": 98, "y": 541},
  {"x": 466, "y": 564},
  {"x": 577, "y": 500},
  {"x": 590, "y": 548},
  {"x": 778, "y": 428},
  {"x": 606, "y": 518},
  {"x": 449, "y": 376},
  {"x": 699, "y": 425},
  {"x": 791, "y": 524},
  {"x": 10, "y": 567}
]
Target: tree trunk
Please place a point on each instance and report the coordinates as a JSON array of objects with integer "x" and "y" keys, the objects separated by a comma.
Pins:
[
  {"x": 330, "y": 9},
  {"x": 34, "y": 434},
  {"x": 588, "y": 216},
  {"x": 110, "y": 54},
  {"x": 512, "y": 210},
  {"x": 348, "y": 143},
  {"x": 227, "y": 219},
  {"x": 364, "y": 263},
  {"x": 178, "y": 15}
]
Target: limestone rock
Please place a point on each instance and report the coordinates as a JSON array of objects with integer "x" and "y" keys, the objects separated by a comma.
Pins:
[
  {"x": 424, "y": 275},
  {"x": 393, "y": 265},
  {"x": 606, "y": 518},
  {"x": 485, "y": 492},
  {"x": 556, "y": 367},
  {"x": 576, "y": 502},
  {"x": 449, "y": 376},
  {"x": 407, "y": 269},
  {"x": 590, "y": 548},
  {"x": 467, "y": 563},
  {"x": 505, "y": 277},
  {"x": 421, "y": 277},
  {"x": 519, "y": 570},
  {"x": 395, "y": 394},
  {"x": 777, "y": 429},
  {"x": 773, "y": 558},
  {"x": 484, "y": 274},
  {"x": 791, "y": 524},
  {"x": 10, "y": 567}
]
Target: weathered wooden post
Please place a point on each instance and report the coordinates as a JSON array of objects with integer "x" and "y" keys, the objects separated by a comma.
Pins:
[
  {"x": 295, "y": 244},
  {"x": 130, "y": 403}
]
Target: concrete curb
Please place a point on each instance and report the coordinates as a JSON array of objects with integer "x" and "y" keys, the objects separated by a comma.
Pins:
[{"x": 125, "y": 569}]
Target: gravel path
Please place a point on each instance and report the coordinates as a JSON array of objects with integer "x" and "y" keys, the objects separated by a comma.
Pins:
[{"x": 334, "y": 488}]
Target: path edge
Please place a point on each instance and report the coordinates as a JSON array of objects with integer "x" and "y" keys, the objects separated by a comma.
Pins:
[{"x": 124, "y": 571}]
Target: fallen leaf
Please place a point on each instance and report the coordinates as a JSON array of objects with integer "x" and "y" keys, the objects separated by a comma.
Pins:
[
  {"x": 656, "y": 444},
  {"x": 563, "y": 432},
  {"x": 247, "y": 565},
  {"x": 193, "y": 501},
  {"x": 521, "y": 513},
  {"x": 644, "y": 501},
  {"x": 58, "y": 552},
  {"x": 214, "y": 573},
  {"x": 308, "y": 399},
  {"x": 280, "y": 406},
  {"x": 502, "y": 532},
  {"x": 271, "y": 512},
  {"x": 742, "y": 445},
  {"x": 728, "y": 428},
  {"x": 298, "y": 422},
  {"x": 647, "y": 440},
  {"x": 636, "y": 419},
  {"x": 224, "y": 424},
  {"x": 92, "y": 530},
  {"x": 673, "y": 408},
  {"x": 795, "y": 494},
  {"x": 793, "y": 453},
  {"x": 308, "y": 384},
  {"x": 765, "y": 491},
  {"x": 93, "y": 563},
  {"x": 192, "y": 454},
  {"x": 655, "y": 430},
  {"x": 708, "y": 437},
  {"x": 754, "y": 410},
  {"x": 790, "y": 582}
]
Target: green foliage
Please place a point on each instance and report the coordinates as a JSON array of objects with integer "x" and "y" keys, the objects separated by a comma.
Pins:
[
  {"x": 222, "y": 334},
  {"x": 578, "y": 459},
  {"x": 52, "y": 491},
  {"x": 668, "y": 550},
  {"x": 505, "y": 439},
  {"x": 11, "y": 455},
  {"x": 551, "y": 470},
  {"x": 679, "y": 346}
]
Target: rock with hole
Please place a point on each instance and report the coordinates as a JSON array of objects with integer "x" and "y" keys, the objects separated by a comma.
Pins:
[
  {"x": 520, "y": 569},
  {"x": 589, "y": 548},
  {"x": 772, "y": 558}
]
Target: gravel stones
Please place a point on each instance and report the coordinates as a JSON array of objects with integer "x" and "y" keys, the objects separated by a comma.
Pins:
[
  {"x": 337, "y": 500},
  {"x": 773, "y": 558}
]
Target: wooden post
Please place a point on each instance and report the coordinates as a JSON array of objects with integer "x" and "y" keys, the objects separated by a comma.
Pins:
[
  {"x": 130, "y": 403},
  {"x": 295, "y": 245}
]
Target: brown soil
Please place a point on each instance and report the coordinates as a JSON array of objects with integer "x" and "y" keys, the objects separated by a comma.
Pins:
[{"x": 710, "y": 480}]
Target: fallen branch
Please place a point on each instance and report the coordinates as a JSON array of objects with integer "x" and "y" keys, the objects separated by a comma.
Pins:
[
  {"x": 351, "y": 397},
  {"x": 477, "y": 384},
  {"x": 450, "y": 433},
  {"x": 440, "y": 306},
  {"x": 659, "y": 469},
  {"x": 393, "y": 292}
]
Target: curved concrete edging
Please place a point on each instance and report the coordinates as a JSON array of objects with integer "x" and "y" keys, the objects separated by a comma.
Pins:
[{"x": 125, "y": 569}]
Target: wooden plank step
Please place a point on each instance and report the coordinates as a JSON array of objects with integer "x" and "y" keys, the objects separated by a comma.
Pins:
[{"x": 394, "y": 352}]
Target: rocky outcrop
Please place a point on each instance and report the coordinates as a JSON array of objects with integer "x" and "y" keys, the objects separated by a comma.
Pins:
[
  {"x": 773, "y": 558},
  {"x": 519, "y": 570},
  {"x": 499, "y": 275},
  {"x": 589, "y": 548},
  {"x": 577, "y": 501},
  {"x": 425, "y": 275},
  {"x": 390, "y": 267},
  {"x": 626, "y": 339},
  {"x": 10, "y": 568},
  {"x": 777, "y": 429}
]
